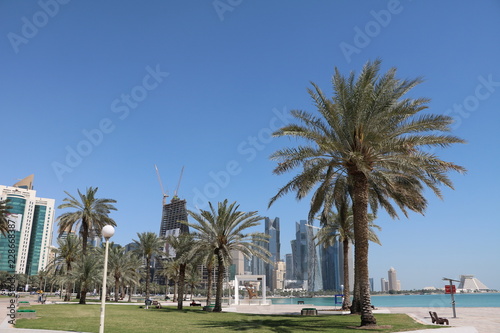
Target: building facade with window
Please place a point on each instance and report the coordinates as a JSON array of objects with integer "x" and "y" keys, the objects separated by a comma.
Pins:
[{"x": 26, "y": 248}]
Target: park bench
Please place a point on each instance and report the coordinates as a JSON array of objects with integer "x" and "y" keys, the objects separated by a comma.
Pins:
[
  {"x": 193, "y": 303},
  {"x": 300, "y": 302},
  {"x": 438, "y": 320}
]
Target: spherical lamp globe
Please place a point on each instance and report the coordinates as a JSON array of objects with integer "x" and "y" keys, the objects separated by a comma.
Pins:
[{"x": 108, "y": 231}]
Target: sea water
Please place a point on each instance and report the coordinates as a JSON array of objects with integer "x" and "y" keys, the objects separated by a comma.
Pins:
[{"x": 437, "y": 300}]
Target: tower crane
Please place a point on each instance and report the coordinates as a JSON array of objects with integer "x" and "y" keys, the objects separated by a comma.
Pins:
[
  {"x": 178, "y": 183},
  {"x": 165, "y": 195}
]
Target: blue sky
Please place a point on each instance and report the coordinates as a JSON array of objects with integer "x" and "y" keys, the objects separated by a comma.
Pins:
[{"x": 97, "y": 93}]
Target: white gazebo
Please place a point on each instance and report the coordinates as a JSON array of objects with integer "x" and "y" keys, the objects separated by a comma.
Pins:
[{"x": 259, "y": 278}]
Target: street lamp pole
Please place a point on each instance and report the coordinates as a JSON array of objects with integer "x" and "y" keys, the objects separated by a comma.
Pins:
[
  {"x": 107, "y": 232},
  {"x": 452, "y": 293}
]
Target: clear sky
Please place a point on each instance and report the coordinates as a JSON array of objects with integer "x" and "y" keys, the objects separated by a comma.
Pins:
[{"x": 95, "y": 93}]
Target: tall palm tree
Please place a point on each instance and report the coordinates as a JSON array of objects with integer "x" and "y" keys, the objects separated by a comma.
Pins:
[
  {"x": 224, "y": 228},
  {"x": 192, "y": 277},
  {"x": 202, "y": 246},
  {"x": 90, "y": 214},
  {"x": 148, "y": 246},
  {"x": 337, "y": 229},
  {"x": 181, "y": 244},
  {"x": 67, "y": 254},
  {"x": 131, "y": 276},
  {"x": 340, "y": 224},
  {"x": 370, "y": 133},
  {"x": 122, "y": 266},
  {"x": 87, "y": 272},
  {"x": 171, "y": 268},
  {"x": 164, "y": 272},
  {"x": 4, "y": 211}
]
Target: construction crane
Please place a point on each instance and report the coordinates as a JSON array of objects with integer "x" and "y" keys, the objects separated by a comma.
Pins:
[
  {"x": 179, "y": 182},
  {"x": 165, "y": 195}
]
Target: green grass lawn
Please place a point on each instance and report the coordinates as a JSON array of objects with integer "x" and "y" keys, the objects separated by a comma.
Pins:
[{"x": 132, "y": 319}]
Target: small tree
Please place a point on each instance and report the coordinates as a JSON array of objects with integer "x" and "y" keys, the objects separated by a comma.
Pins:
[
  {"x": 224, "y": 228},
  {"x": 148, "y": 246}
]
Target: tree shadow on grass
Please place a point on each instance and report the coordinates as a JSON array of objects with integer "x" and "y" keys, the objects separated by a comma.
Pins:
[{"x": 279, "y": 325}]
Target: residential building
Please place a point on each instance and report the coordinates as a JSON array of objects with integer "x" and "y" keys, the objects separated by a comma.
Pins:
[
  {"x": 237, "y": 266},
  {"x": 280, "y": 273},
  {"x": 393, "y": 281},
  {"x": 32, "y": 220},
  {"x": 384, "y": 285}
]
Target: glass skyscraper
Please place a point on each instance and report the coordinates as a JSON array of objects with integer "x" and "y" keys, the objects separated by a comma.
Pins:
[
  {"x": 32, "y": 220},
  {"x": 318, "y": 268},
  {"x": 272, "y": 228}
]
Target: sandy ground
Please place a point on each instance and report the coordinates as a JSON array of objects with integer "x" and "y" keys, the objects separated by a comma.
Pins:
[{"x": 484, "y": 320}]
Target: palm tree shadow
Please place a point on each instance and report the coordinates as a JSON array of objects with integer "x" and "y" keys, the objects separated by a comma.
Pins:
[{"x": 279, "y": 325}]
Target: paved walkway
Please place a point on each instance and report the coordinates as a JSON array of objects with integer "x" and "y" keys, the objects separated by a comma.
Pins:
[{"x": 469, "y": 320}]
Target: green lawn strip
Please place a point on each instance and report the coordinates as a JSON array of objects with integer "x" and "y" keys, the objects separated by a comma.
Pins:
[{"x": 132, "y": 319}]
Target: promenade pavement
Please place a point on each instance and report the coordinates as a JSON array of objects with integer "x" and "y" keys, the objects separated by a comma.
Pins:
[{"x": 469, "y": 320}]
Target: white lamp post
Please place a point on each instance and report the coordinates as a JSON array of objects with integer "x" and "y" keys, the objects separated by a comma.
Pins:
[{"x": 107, "y": 232}]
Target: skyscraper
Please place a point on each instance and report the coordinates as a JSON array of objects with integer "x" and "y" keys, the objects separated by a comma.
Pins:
[
  {"x": 272, "y": 228},
  {"x": 32, "y": 219},
  {"x": 393, "y": 281},
  {"x": 289, "y": 267},
  {"x": 384, "y": 285},
  {"x": 317, "y": 267},
  {"x": 172, "y": 213}
]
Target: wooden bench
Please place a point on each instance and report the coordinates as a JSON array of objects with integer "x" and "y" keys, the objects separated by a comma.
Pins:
[
  {"x": 438, "y": 320},
  {"x": 309, "y": 312}
]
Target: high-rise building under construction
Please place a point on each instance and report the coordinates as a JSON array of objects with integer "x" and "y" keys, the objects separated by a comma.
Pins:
[{"x": 173, "y": 213}]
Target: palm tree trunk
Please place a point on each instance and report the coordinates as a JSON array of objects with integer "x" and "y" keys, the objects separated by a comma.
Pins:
[
  {"x": 176, "y": 284},
  {"x": 67, "y": 296},
  {"x": 220, "y": 280},
  {"x": 148, "y": 261},
  {"x": 209, "y": 284},
  {"x": 180, "y": 297},
  {"x": 129, "y": 294},
  {"x": 117, "y": 288},
  {"x": 356, "y": 299},
  {"x": 346, "y": 304},
  {"x": 360, "y": 214},
  {"x": 83, "y": 293}
]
